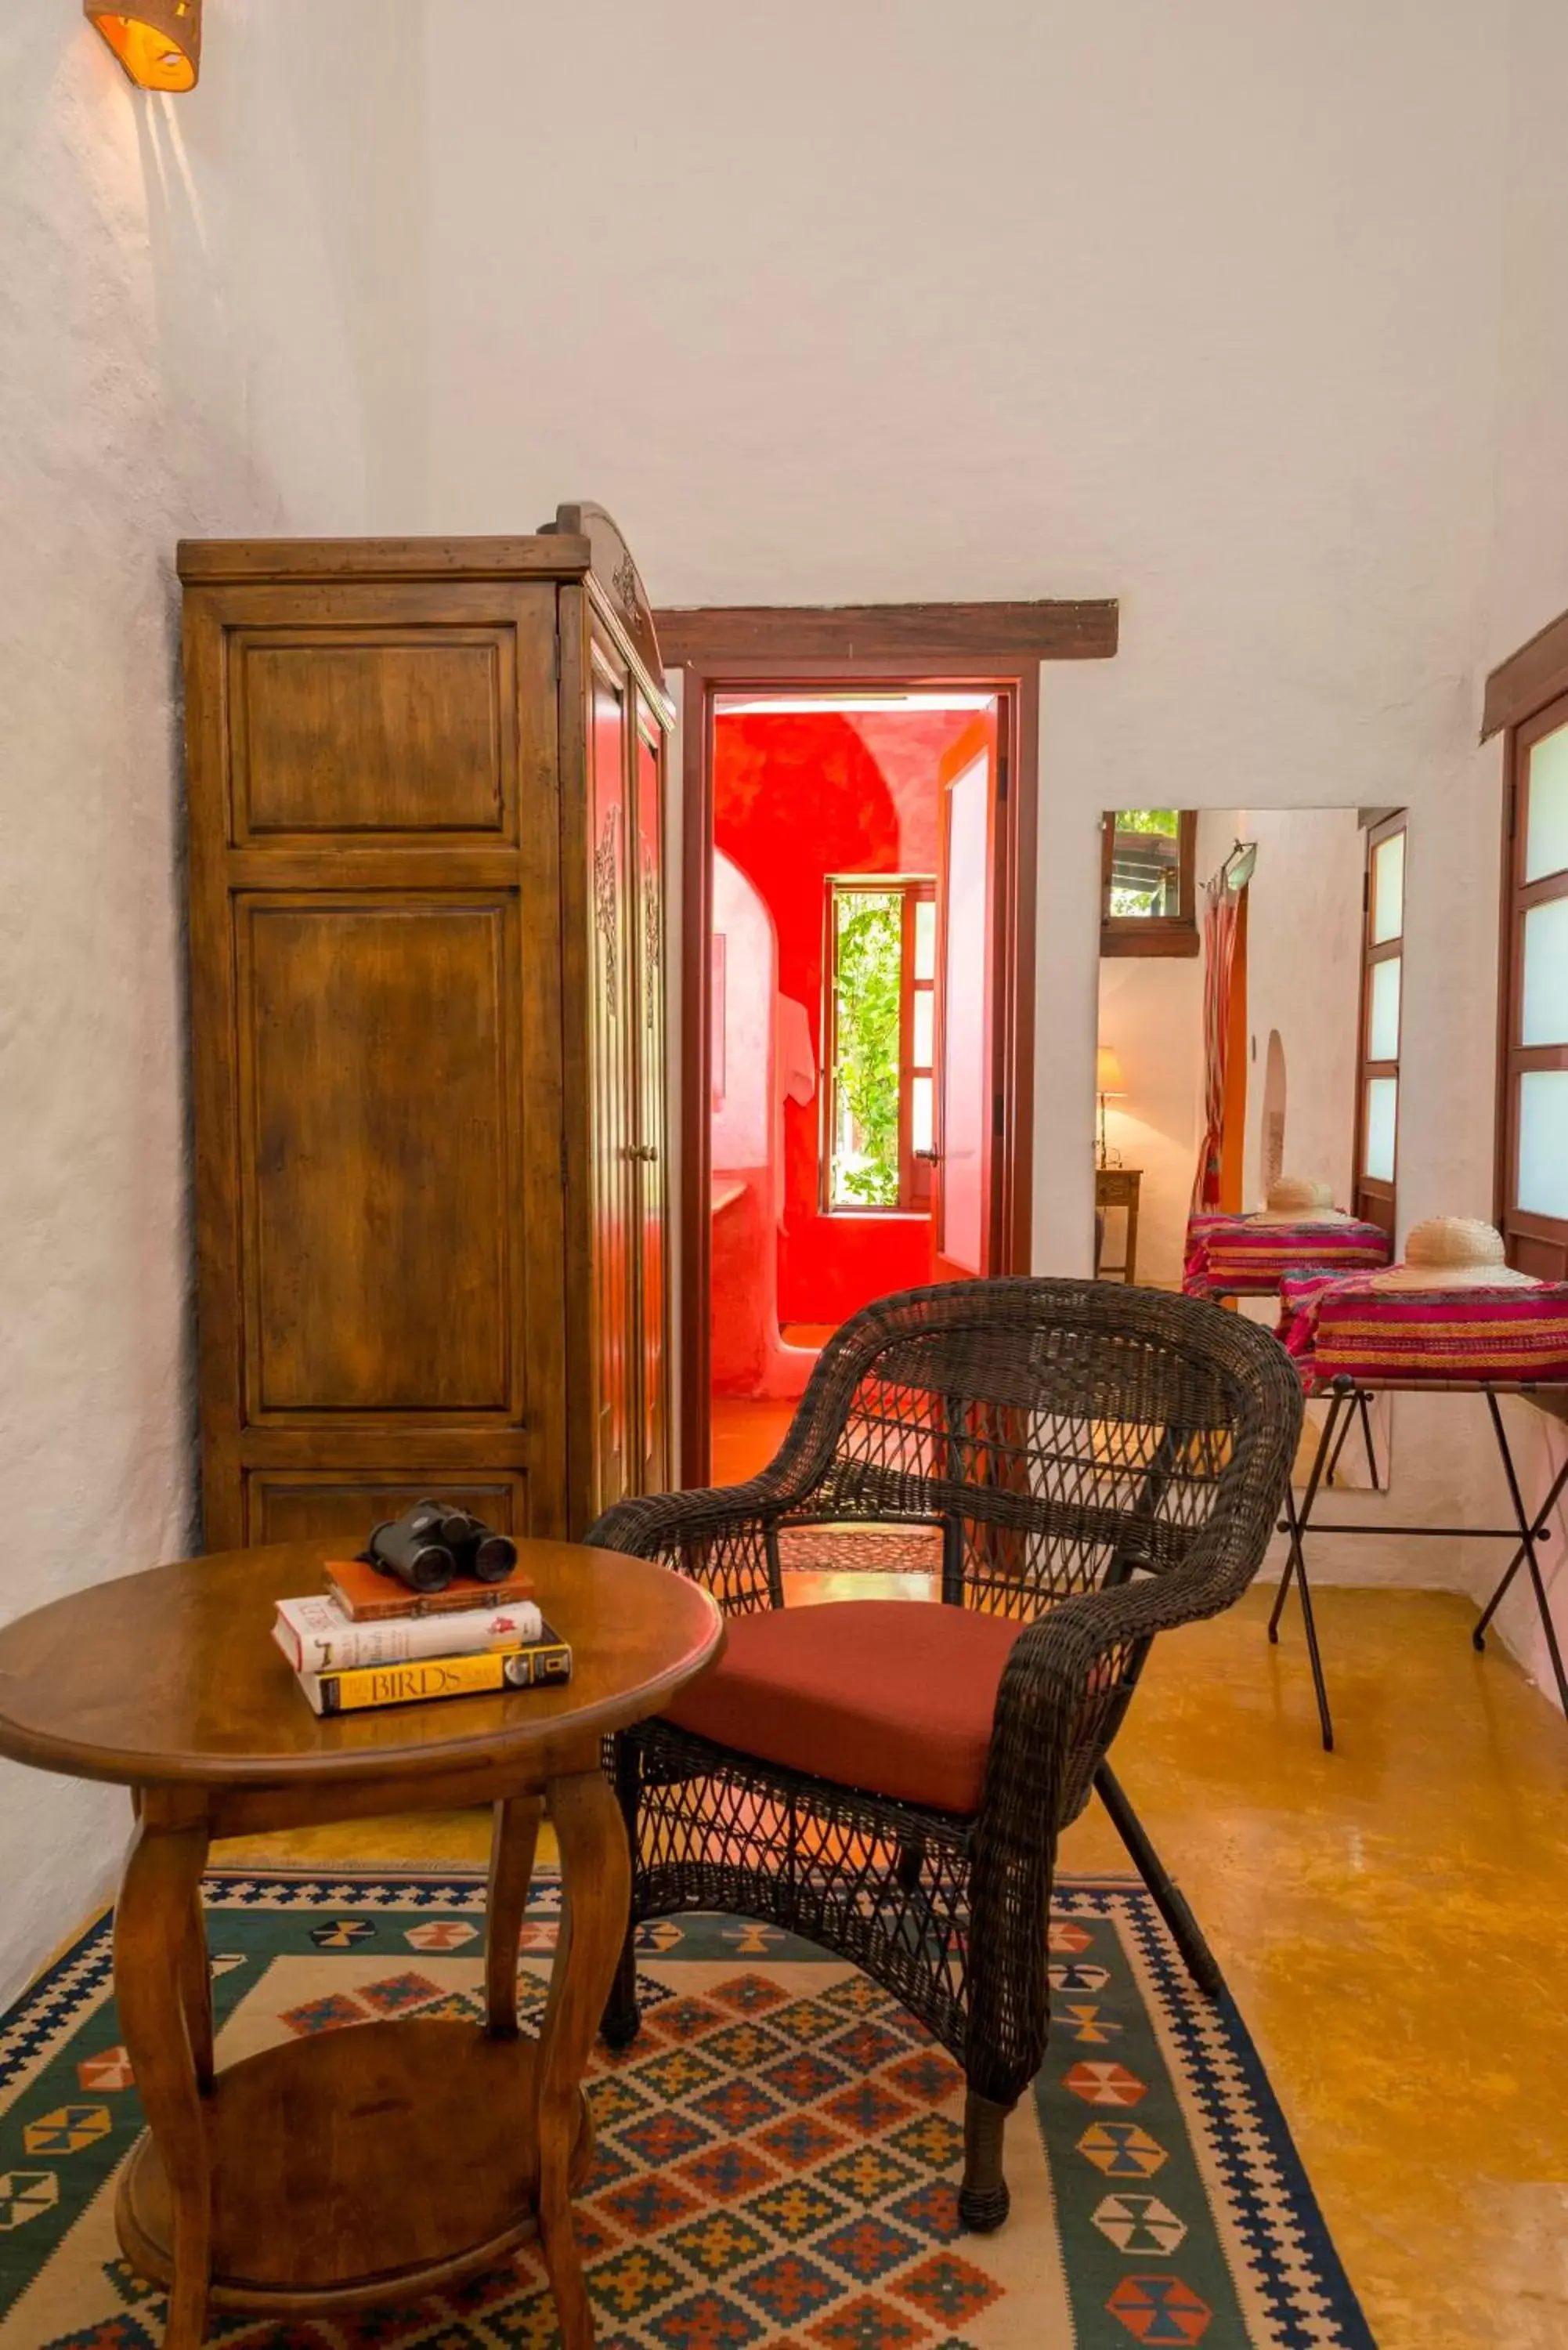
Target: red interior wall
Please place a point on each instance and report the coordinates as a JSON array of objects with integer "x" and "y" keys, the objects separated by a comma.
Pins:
[{"x": 797, "y": 798}]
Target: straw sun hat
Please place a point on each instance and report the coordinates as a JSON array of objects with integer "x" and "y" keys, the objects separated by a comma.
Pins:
[
  {"x": 1453, "y": 1253},
  {"x": 1299, "y": 1199}
]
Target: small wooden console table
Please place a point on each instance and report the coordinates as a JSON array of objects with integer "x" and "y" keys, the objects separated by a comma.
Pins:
[
  {"x": 1118, "y": 1187},
  {"x": 390, "y": 2158}
]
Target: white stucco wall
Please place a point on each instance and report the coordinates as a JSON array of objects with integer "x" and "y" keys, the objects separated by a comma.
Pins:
[
  {"x": 1223, "y": 310},
  {"x": 179, "y": 356}
]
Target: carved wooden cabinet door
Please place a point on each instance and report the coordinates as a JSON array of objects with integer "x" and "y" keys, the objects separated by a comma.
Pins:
[
  {"x": 613, "y": 993},
  {"x": 376, "y": 1014}
]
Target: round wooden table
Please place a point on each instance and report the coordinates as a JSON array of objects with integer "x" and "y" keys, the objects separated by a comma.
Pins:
[{"x": 387, "y": 2159}]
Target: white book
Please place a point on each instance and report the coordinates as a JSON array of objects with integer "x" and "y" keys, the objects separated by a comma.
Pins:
[{"x": 316, "y": 1637}]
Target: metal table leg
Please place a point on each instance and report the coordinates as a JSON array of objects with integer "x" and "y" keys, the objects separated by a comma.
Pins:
[
  {"x": 1531, "y": 1529},
  {"x": 1296, "y": 1523}
]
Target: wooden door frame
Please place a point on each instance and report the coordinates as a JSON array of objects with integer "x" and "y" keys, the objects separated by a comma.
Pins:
[{"x": 916, "y": 646}]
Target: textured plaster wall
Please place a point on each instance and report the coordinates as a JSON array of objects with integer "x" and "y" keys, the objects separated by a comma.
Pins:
[{"x": 182, "y": 353}]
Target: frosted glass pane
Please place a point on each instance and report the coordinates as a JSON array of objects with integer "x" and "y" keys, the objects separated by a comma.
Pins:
[
  {"x": 925, "y": 938},
  {"x": 1383, "y": 1011},
  {"x": 924, "y": 1039},
  {"x": 1543, "y": 1014},
  {"x": 1542, "y": 1187},
  {"x": 1377, "y": 1143},
  {"x": 1546, "y": 802},
  {"x": 920, "y": 1128},
  {"x": 1388, "y": 890}
]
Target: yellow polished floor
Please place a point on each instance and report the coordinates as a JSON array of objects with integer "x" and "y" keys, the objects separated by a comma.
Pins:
[{"x": 1391, "y": 1918}]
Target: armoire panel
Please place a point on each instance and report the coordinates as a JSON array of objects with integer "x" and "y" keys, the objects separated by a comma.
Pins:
[
  {"x": 376, "y": 730},
  {"x": 613, "y": 993},
  {"x": 377, "y": 1155},
  {"x": 342, "y": 1507}
]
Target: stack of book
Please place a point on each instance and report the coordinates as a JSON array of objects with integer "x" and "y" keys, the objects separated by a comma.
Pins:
[{"x": 367, "y": 1640}]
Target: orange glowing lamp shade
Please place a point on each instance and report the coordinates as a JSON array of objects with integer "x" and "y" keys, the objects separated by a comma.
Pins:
[
  {"x": 1109, "y": 1077},
  {"x": 158, "y": 42}
]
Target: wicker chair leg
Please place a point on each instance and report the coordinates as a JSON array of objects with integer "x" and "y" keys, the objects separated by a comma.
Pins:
[
  {"x": 622, "y": 2019},
  {"x": 909, "y": 1863},
  {"x": 984, "y": 2198},
  {"x": 1185, "y": 1932}
]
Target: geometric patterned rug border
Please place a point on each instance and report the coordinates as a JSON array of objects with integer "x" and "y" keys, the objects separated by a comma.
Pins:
[{"x": 776, "y": 2155}]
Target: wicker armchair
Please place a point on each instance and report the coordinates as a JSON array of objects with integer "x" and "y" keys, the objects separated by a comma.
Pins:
[{"x": 1095, "y": 1464}]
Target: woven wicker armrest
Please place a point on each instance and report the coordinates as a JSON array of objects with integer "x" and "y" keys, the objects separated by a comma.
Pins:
[{"x": 719, "y": 1535}]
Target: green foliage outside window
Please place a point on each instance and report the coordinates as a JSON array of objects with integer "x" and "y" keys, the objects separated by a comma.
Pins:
[
  {"x": 868, "y": 944},
  {"x": 1135, "y": 887}
]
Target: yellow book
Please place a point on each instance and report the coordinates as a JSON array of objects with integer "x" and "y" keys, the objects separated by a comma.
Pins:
[{"x": 425, "y": 1679}]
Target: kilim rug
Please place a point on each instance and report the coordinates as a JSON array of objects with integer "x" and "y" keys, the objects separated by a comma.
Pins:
[{"x": 776, "y": 2157}]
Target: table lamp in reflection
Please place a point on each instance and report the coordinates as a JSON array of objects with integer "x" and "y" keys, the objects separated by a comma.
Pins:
[{"x": 1111, "y": 1085}]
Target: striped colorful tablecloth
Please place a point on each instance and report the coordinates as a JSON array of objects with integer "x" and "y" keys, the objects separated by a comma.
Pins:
[
  {"x": 1339, "y": 1327},
  {"x": 1244, "y": 1256}
]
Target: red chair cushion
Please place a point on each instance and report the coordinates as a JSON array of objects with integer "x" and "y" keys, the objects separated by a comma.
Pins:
[{"x": 893, "y": 1696}]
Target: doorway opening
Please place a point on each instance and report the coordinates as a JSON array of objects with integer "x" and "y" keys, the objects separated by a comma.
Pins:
[{"x": 854, "y": 914}]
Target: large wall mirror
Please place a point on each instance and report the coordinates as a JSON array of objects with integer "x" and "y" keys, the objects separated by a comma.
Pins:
[{"x": 1249, "y": 1000}]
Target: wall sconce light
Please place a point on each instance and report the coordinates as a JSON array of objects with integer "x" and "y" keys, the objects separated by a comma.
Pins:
[{"x": 159, "y": 41}]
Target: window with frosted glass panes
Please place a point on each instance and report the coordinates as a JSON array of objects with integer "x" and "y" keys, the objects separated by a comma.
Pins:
[
  {"x": 1534, "y": 1139},
  {"x": 1382, "y": 1006}
]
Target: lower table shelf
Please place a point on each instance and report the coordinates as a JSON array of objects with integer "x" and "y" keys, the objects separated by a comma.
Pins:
[{"x": 376, "y": 2162}]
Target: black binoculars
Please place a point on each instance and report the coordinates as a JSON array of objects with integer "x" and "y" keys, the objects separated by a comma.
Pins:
[{"x": 432, "y": 1543}]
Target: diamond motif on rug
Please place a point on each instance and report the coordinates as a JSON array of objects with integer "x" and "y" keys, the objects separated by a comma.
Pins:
[
  {"x": 868, "y": 2323},
  {"x": 719, "y": 2242},
  {"x": 342, "y": 1933},
  {"x": 1122, "y": 2149},
  {"x": 950, "y": 2288},
  {"x": 104, "y": 2073},
  {"x": 707, "y": 2322},
  {"x": 1139, "y": 2223},
  {"x": 1160, "y": 2311},
  {"x": 790, "y": 2287},
  {"x": 796, "y": 2210},
  {"x": 1106, "y": 2084},
  {"x": 442, "y": 1934},
  {"x": 868, "y": 2248},
  {"x": 67, "y": 2130},
  {"x": 27, "y": 2195}
]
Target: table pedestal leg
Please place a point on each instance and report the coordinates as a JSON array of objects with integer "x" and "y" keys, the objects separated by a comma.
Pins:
[
  {"x": 514, "y": 1838},
  {"x": 596, "y": 1887},
  {"x": 163, "y": 1988}
]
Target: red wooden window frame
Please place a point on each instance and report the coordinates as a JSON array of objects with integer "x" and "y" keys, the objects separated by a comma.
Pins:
[
  {"x": 1536, "y": 1243},
  {"x": 1373, "y": 1197},
  {"x": 914, "y": 1167}
]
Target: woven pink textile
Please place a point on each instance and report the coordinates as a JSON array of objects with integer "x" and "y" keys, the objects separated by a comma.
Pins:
[
  {"x": 1349, "y": 1328},
  {"x": 1240, "y": 1256}
]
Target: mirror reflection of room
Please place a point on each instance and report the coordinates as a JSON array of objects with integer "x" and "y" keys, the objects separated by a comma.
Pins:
[{"x": 1248, "y": 1052}]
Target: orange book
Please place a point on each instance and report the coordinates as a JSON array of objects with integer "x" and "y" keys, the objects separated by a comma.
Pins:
[{"x": 370, "y": 1597}]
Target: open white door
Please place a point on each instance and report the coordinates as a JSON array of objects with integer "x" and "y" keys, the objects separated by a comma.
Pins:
[{"x": 961, "y": 1178}]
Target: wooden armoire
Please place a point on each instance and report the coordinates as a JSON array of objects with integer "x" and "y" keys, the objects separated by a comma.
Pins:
[{"x": 427, "y": 1009}]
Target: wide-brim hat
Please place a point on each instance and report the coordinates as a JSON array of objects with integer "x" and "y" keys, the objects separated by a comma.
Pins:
[
  {"x": 1453, "y": 1253},
  {"x": 1299, "y": 1199}
]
